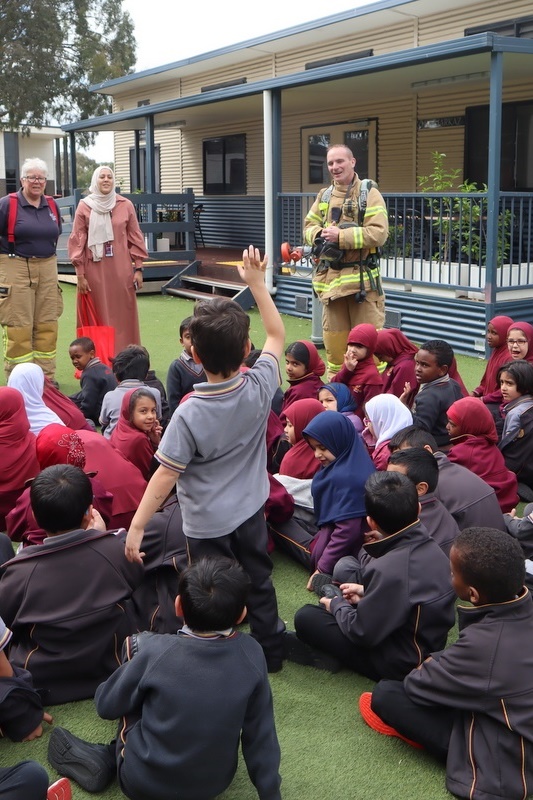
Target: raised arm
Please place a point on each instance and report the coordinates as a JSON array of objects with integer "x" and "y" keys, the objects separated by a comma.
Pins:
[{"x": 252, "y": 272}]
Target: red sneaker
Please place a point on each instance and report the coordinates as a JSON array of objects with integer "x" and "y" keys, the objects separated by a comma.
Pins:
[
  {"x": 377, "y": 724},
  {"x": 60, "y": 790}
]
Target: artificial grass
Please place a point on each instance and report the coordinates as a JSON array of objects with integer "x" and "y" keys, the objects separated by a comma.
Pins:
[{"x": 327, "y": 750}]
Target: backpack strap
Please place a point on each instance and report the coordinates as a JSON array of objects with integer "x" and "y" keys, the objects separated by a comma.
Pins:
[
  {"x": 12, "y": 219},
  {"x": 366, "y": 185}
]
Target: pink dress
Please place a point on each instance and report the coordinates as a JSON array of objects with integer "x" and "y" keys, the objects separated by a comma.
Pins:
[{"x": 111, "y": 279}]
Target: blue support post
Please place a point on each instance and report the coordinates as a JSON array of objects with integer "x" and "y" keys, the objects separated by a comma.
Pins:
[{"x": 493, "y": 189}]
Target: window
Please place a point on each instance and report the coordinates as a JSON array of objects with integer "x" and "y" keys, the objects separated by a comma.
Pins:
[
  {"x": 516, "y": 148},
  {"x": 138, "y": 177},
  {"x": 224, "y": 160}
]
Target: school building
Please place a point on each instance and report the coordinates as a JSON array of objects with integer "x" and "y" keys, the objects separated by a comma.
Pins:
[{"x": 246, "y": 128}]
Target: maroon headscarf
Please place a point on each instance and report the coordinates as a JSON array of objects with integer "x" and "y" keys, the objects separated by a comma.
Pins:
[
  {"x": 474, "y": 418},
  {"x": 499, "y": 356},
  {"x": 66, "y": 410},
  {"x": 391, "y": 343},
  {"x": 135, "y": 445},
  {"x": 367, "y": 335},
  {"x": 300, "y": 461},
  {"x": 57, "y": 444},
  {"x": 18, "y": 459}
]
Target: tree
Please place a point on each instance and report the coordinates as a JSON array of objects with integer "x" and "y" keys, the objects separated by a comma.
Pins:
[
  {"x": 52, "y": 51},
  {"x": 85, "y": 167}
]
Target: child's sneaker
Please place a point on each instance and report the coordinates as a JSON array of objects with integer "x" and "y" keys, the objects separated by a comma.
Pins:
[
  {"x": 60, "y": 790},
  {"x": 377, "y": 724}
]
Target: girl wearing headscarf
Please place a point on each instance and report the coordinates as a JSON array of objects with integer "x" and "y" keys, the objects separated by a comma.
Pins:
[
  {"x": 338, "y": 397},
  {"x": 29, "y": 380},
  {"x": 104, "y": 242},
  {"x": 138, "y": 432},
  {"x": 359, "y": 372},
  {"x": 474, "y": 442},
  {"x": 489, "y": 388},
  {"x": 398, "y": 352},
  {"x": 304, "y": 369},
  {"x": 17, "y": 450},
  {"x": 338, "y": 490},
  {"x": 299, "y": 461},
  {"x": 56, "y": 444},
  {"x": 520, "y": 341},
  {"x": 386, "y": 415}
]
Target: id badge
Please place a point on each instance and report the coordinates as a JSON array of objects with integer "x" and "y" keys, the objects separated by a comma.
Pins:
[{"x": 108, "y": 249}]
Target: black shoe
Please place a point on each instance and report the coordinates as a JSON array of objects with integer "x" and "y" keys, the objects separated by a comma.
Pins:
[
  {"x": 525, "y": 493},
  {"x": 274, "y": 664},
  {"x": 330, "y": 591},
  {"x": 92, "y": 766},
  {"x": 319, "y": 580},
  {"x": 300, "y": 653}
]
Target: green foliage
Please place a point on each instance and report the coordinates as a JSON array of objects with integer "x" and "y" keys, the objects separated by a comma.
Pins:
[
  {"x": 85, "y": 167},
  {"x": 53, "y": 51},
  {"x": 462, "y": 220}
]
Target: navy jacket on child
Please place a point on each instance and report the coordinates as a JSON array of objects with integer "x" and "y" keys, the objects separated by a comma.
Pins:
[{"x": 96, "y": 380}]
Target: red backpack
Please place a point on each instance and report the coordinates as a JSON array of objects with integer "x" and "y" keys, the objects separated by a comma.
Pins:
[{"x": 12, "y": 218}]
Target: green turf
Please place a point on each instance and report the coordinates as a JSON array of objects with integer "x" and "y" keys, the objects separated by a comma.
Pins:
[{"x": 327, "y": 750}]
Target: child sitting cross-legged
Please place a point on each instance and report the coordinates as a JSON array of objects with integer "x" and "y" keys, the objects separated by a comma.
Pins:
[
  {"x": 187, "y": 702},
  {"x": 471, "y": 705},
  {"x": 96, "y": 378},
  {"x": 400, "y": 605},
  {"x": 138, "y": 431}
]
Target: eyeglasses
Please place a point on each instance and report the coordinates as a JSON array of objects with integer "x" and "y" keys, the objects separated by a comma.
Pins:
[
  {"x": 517, "y": 341},
  {"x": 34, "y": 179}
]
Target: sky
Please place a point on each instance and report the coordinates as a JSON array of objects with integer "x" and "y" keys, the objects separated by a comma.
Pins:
[{"x": 170, "y": 30}]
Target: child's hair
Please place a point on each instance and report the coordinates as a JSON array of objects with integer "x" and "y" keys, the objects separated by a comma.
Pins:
[
  {"x": 420, "y": 466},
  {"x": 522, "y": 374},
  {"x": 219, "y": 333},
  {"x": 492, "y": 562},
  {"x": 84, "y": 342},
  {"x": 133, "y": 362},
  {"x": 213, "y": 593},
  {"x": 252, "y": 357},
  {"x": 300, "y": 353},
  {"x": 136, "y": 395},
  {"x": 441, "y": 350},
  {"x": 391, "y": 500},
  {"x": 413, "y": 436},
  {"x": 59, "y": 497},
  {"x": 185, "y": 326}
]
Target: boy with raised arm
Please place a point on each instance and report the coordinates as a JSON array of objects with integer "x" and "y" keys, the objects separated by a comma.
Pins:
[{"x": 214, "y": 448}]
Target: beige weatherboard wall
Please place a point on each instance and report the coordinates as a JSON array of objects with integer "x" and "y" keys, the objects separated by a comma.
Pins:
[{"x": 399, "y": 150}]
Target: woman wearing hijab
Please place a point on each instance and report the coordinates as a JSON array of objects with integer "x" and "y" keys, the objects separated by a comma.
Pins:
[
  {"x": 17, "y": 450},
  {"x": 104, "y": 242},
  {"x": 29, "y": 380}
]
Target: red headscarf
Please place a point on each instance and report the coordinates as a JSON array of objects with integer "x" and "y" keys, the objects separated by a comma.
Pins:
[
  {"x": 17, "y": 445},
  {"x": 313, "y": 362},
  {"x": 527, "y": 330},
  {"x": 366, "y": 370},
  {"x": 392, "y": 343},
  {"x": 57, "y": 444},
  {"x": 500, "y": 355},
  {"x": 300, "y": 461},
  {"x": 135, "y": 445},
  {"x": 474, "y": 418},
  {"x": 66, "y": 410}
]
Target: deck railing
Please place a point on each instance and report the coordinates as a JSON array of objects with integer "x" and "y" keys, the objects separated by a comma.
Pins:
[{"x": 441, "y": 239}]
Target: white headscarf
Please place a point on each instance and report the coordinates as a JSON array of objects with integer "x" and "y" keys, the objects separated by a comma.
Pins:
[
  {"x": 100, "y": 227},
  {"x": 388, "y": 415},
  {"x": 29, "y": 380}
]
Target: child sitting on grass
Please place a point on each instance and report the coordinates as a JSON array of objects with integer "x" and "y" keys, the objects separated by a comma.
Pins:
[
  {"x": 187, "y": 701},
  {"x": 95, "y": 381},
  {"x": 338, "y": 397},
  {"x": 138, "y": 431},
  {"x": 516, "y": 384},
  {"x": 436, "y": 392},
  {"x": 130, "y": 367},
  {"x": 183, "y": 372},
  {"x": 304, "y": 369},
  {"x": 401, "y": 606},
  {"x": 471, "y": 705},
  {"x": 475, "y": 445},
  {"x": 359, "y": 371}
]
